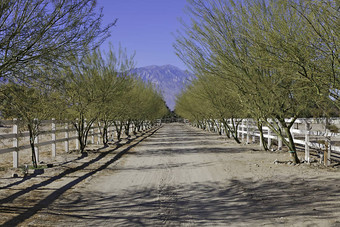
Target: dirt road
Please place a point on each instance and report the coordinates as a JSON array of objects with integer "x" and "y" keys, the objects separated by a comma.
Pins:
[{"x": 180, "y": 176}]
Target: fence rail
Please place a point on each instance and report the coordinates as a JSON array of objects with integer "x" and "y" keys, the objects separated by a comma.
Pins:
[
  {"x": 11, "y": 141},
  {"x": 310, "y": 134}
]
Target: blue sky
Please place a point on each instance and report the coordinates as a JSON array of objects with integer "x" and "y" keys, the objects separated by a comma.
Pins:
[{"x": 147, "y": 27}]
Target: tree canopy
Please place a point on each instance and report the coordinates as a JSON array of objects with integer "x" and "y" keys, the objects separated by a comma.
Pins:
[
  {"x": 41, "y": 34},
  {"x": 275, "y": 59}
]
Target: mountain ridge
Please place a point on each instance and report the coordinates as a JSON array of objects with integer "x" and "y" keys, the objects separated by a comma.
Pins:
[{"x": 169, "y": 79}]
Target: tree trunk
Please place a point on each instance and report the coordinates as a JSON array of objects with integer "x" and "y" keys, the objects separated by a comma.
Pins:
[
  {"x": 119, "y": 128},
  {"x": 82, "y": 139},
  {"x": 234, "y": 131},
  {"x": 264, "y": 142},
  {"x": 80, "y": 129},
  {"x": 291, "y": 145},
  {"x": 82, "y": 145},
  {"x": 105, "y": 136},
  {"x": 218, "y": 127},
  {"x": 83, "y": 132},
  {"x": 86, "y": 132},
  {"x": 226, "y": 128},
  {"x": 32, "y": 137},
  {"x": 34, "y": 158},
  {"x": 135, "y": 127},
  {"x": 127, "y": 129},
  {"x": 202, "y": 125}
]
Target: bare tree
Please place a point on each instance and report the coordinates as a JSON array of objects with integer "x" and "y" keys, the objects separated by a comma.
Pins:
[{"x": 42, "y": 34}]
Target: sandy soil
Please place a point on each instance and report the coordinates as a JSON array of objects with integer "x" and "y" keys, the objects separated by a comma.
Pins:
[{"x": 178, "y": 176}]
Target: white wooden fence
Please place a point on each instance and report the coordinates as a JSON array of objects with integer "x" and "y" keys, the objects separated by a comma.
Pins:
[
  {"x": 308, "y": 133},
  {"x": 16, "y": 136}
]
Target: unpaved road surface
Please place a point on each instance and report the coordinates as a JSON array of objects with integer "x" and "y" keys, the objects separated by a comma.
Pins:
[{"x": 179, "y": 176}]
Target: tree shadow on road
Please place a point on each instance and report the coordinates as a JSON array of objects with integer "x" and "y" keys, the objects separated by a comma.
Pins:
[
  {"x": 25, "y": 213},
  {"x": 203, "y": 204},
  {"x": 233, "y": 202}
]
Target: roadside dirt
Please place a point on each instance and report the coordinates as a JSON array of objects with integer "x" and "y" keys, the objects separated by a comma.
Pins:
[{"x": 178, "y": 176}]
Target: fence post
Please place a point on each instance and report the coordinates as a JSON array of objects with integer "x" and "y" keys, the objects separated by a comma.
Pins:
[
  {"x": 291, "y": 131},
  {"x": 36, "y": 144},
  {"x": 115, "y": 133},
  {"x": 123, "y": 130},
  {"x": 307, "y": 128},
  {"x": 248, "y": 136},
  {"x": 131, "y": 128},
  {"x": 66, "y": 137},
  {"x": 112, "y": 132},
  {"x": 328, "y": 163},
  {"x": 92, "y": 134},
  {"x": 238, "y": 131},
  {"x": 15, "y": 144},
  {"x": 269, "y": 138},
  {"x": 99, "y": 135},
  {"x": 77, "y": 141},
  {"x": 253, "y": 131},
  {"x": 230, "y": 133},
  {"x": 279, "y": 139},
  {"x": 53, "y": 135},
  {"x": 242, "y": 130},
  {"x": 279, "y": 143}
]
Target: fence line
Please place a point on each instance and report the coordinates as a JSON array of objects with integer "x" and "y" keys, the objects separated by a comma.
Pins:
[
  {"x": 322, "y": 140},
  {"x": 70, "y": 134}
]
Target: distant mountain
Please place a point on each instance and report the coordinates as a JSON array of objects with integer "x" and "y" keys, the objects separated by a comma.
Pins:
[{"x": 168, "y": 78}]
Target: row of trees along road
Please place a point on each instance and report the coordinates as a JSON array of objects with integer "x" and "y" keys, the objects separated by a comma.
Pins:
[
  {"x": 51, "y": 67},
  {"x": 268, "y": 60}
]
